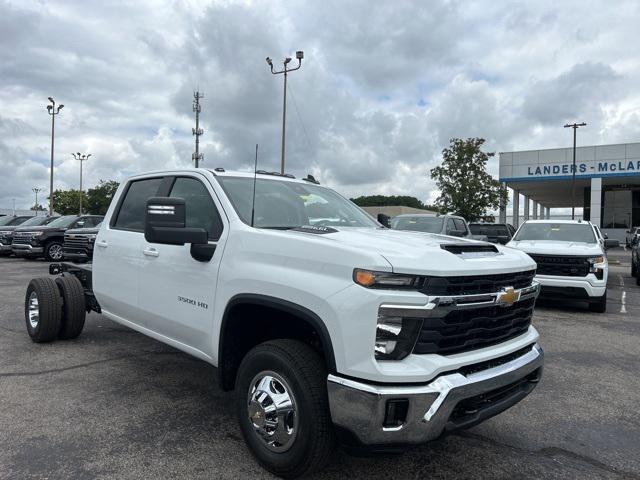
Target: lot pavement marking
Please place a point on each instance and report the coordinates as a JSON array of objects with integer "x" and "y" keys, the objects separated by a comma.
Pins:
[{"x": 623, "y": 298}]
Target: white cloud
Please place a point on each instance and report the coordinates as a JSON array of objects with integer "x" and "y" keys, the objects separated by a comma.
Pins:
[{"x": 382, "y": 88}]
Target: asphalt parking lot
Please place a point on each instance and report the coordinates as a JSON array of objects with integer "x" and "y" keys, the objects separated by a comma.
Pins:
[{"x": 116, "y": 404}]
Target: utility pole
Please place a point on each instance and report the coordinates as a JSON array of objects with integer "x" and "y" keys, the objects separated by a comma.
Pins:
[
  {"x": 285, "y": 70},
  {"x": 197, "y": 156},
  {"x": 575, "y": 127},
  {"x": 81, "y": 158},
  {"x": 36, "y": 190},
  {"x": 53, "y": 111}
]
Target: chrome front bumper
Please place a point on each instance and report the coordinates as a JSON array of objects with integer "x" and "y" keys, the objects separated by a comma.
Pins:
[
  {"x": 24, "y": 248},
  {"x": 360, "y": 407}
]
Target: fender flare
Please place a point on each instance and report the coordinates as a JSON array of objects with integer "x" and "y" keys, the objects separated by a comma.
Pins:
[{"x": 289, "y": 307}]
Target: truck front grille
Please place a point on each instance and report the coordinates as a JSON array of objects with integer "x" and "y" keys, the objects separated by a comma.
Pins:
[
  {"x": 472, "y": 285},
  {"x": 563, "y": 266},
  {"x": 21, "y": 239},
  {"x": 472, "y": 328},
  {"x": 76, "y": 243}
]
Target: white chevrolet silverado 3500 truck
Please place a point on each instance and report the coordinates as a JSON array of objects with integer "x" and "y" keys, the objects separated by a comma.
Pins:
[
  {"x": 330, "y": 327},
  {"x": 571, "y": 259}
]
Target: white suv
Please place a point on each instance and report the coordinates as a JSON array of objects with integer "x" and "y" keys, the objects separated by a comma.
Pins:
[{"x": 571, "y": 258}]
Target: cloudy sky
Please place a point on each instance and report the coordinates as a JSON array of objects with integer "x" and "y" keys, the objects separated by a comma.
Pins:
[{"x": 382, "y": 88}]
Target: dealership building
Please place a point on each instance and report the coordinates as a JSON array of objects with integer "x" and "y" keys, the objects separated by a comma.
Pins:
[{"x": 607, "y": 184}]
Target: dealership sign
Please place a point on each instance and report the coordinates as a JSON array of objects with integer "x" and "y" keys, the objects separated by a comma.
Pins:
[{"x": 604, "y": 168}]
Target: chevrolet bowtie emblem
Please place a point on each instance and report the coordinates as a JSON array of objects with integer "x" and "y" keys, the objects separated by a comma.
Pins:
[{"x": 508, "y": 296}]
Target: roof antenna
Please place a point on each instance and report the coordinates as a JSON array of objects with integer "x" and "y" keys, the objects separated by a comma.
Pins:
[{"x": 255, "y": 174}]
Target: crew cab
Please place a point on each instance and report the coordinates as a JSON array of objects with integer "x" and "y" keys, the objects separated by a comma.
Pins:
[
  {"x": 571, "y": 259},
  {"x": 79, "y": 242},
  {"x": 328, "y": 326},
  {"x": 6, "y": 232},
  {"x": 445, "y": 224},
  {"x": 46, "y": 241}
]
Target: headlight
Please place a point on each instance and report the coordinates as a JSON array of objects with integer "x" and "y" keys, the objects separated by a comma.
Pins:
[
  {"x": 393, "y": 281},
  {"x": 396, "y": 336},
  {"x": 596, "y": 266}
]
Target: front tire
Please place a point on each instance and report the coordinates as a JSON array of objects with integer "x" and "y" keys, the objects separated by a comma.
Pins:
[
  {"x": 53, "y": 252},
  {"x": 42, "y": 310},
  {"x": 283, "y": 407},
  {"x": 599, "y": 305},
  {"x": 73, "y": 310}
]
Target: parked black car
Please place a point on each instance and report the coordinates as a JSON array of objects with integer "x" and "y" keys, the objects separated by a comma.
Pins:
[
  {"x": 47, "y": 241},
  {"x": 635, "y": 258},
  {"x": 78, "y": 243},
  {"x": 6, "y": 232},
  {"x": 495, "y": 232}
]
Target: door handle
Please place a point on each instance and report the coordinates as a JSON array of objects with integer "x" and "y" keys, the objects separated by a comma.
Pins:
[
  {"x": 102, "y": 244},
  {"x": 151, "y": 252}
]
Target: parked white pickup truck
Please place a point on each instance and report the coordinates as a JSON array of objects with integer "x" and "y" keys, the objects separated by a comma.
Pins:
[
  {"x": 329, "y": 326},
  {"x": 571, "y": 258}
]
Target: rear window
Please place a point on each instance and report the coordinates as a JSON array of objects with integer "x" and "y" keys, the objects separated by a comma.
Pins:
[
  {"x": 489, "y": 230},
  {"x": 418, "y": 224}
]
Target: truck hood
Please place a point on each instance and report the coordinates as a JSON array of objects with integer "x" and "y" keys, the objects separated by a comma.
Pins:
[
  {"x": 548, "y": 247},
  {"x": 41, "y": 228},
  {"x": 422, "y": 253}
]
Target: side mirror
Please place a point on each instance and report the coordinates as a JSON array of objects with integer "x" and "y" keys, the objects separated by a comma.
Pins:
[
  {"x": 457, "y": 233},
  {"x": 611, "y": 244},
  {"x": 384, "y": 220},
  {"x": 165, "y": 221},
  {"x": 605, "y": 235}
]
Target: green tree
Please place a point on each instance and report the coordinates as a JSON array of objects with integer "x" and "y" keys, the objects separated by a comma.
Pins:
[
  {"x": 99, "y": 197},
  {"x": 67, "y": 202},
  {"x": 466, "y": 189},
  {"x": 38, "y": 208},
  {"x": 388, "y": 201}
]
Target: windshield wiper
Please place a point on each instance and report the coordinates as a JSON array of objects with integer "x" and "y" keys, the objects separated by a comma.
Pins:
[{"x": 282, "y": 227}]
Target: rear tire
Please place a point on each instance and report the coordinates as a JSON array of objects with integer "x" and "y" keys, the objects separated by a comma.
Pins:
[
  {"x": 292, "y": 370},
  {"x": 600, "y": 304},
  {"x": 53, "y": 252},
  {"x": 73, "y": 309},
  {"x": 42, "y": 309}
]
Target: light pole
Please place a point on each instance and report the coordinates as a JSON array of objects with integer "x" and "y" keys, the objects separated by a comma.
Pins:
[
  {"x": 53, "y": 111},
  {"x": 285, "y": 70},
  {"x": 575, "y": 127},
  {"x": 81, "y": 158},
  {"x": 36, "y": 190}
]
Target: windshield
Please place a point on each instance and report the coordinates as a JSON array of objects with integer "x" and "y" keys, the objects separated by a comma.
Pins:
[
  {"x": 63, "y": 222},
  {"x": 418, "y": 224},
  {"x": 281, "y": 204},
  {"x": 489, "y": 230},
  {"x": 13, "y": 221},
  {"x": 558, "y": 232},
  {"x": 36, "y": 221}
]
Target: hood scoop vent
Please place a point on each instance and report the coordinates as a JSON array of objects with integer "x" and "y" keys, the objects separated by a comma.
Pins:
[{"x": 471, "y": 249}]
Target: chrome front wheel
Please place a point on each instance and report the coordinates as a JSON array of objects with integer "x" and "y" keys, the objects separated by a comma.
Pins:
[
  {"x": 33, "y": 310},
  {"x": 271, "y": 408}
]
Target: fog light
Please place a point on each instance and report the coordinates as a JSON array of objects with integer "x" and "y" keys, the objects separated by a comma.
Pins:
[
  {"x": 395, "y": 414},
  {"x": 396, "y": 336}
]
